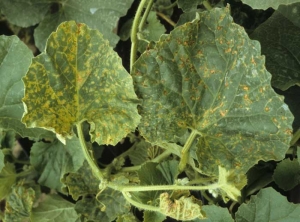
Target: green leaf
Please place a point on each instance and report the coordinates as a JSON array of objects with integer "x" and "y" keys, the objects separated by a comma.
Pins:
[
  {"x": 163, "y": 6},
  {"x": 7, "y": 179},
  {"x": 54, "y": 208},
  {"x": 24, "y": 13},
  {"x": 208, "y": 77},
  {"x": 258, "y": 4},
  {"x": 129, "y": 217},
  {"x": 189, "y": 5},
  {"x": 268, "y": 205},
  {"x": 169, "y": 170},
  {"x": 291, "y": 12},
  {"x": 78, "y": 78},
  {"x": 150, "y": 216},
  {"x": 215, "y": 214},
  {"x": 54, "y": 160},
  {"x": 15, "y": 59},
  {"x": 2, "y": 164},
  {"x": 19, "y": 204},
  {"x": 287, "y": 174},
  {"x": 108, "y": 206},
  {"x": 98, "y": 14},
  {"x": 187, "y": 17},
  {"x": 139, "y": 154},
  {"x": 280, "y": 44},
  {"x": 81, "y": 183}
]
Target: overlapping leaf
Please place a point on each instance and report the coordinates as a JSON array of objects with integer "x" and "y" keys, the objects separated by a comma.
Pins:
[
  {"x": 98, "y": 14},
  {"x": 78, "y": 78},
  {"x": 53, "y": 160},
  {"x": 189, "y": 5},
  {"x": 15, "y": 59},
  {"x": 258, "y": 4},
  {"x": 24, "y": 13},
  {"x": 279, "y": 40},
  {"x": 268, "y": 205},
  {"x": 209, "y": 77},
  {"x": 8, "y": 178}
]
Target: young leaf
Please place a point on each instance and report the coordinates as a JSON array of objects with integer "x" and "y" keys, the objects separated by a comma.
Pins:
[
  {"x": 268, "y": 205},
  {"x": 19, "y": 204},
  {"x": 209, "y": 78},
  {"x": 258, "y": 4},
  {"x": 78, "y": 78},
  {"x": 7, "y": 179},
  {"x": 98, "y": 14},
  {"x": 279, "y": 40},
  {"x": 15, "y": 59},
  {"x": 24, "y": 13},
  {"x": 54, "y": 160},
  {"x": 54, "y": 208},
  {"x": 287, "y": 174}
]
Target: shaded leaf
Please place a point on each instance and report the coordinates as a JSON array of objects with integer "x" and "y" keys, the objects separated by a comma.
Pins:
[
  {"x": 54, "y": 208},
  {"x": 258, "y": 4},
  {"x": 129, "y": 217},
  {"x": 215, "y": 213},
  {"x": 287, "y": 174},
  {"x": 24, "y": 13},
  {"x": 15, "y": 59},
  {"x": 98, "y": 14},
  {"x": 209, "y": 77},
  {"x": 150, "y": 216},
  {"x": 7, "y": 179},
  {"x": 139, "y": 154},
  {"x": 78, "y": 78},
  {"x": 54, "y": 160},
  {"x": 163, "y": 7},
  {"x": 268, "y": 205},
  {"x": 291, "y": 12},
  {"x": 189, "y": 5},
  {"x": 19, "y": 204},
  {"x": 279, "y": 40},
  {"x": 81, "y": 183},
  {"x": 169, "y": 170}
]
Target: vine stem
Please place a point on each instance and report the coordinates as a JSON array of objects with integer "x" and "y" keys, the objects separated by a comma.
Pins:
[
  {"x": 296, "y": 137},
  {"x": 185, "y": 150},
  {"x": 169, "y": 6},
  {"x": 166, "y": 18},
  {"x": 137, "y": 204},
  {"x": 134, "y": 30},
  {"x": 207, "y": 5},
  {"x": 88, "y": 156}
]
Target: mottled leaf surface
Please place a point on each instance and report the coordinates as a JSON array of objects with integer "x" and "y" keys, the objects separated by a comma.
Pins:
[
  {"x": 279, "y": 39},
  {"x": 54, "y": 208},
  {"x": 258, "y": 4},
  {"x": 78, "y": 78},
  {"x": 53, "y": 160},
  {"x": 268, "y": 205},
  {"x": 209, "y": 77},
  {"x": 287, "y": 174},
  {"x": 19, "y": 204},
  {"x": 15, "y": 59},
  {"x": 24, "y": 13},
  {"x": 7, "y": 179},
  {"x": 98, "y": 14}
]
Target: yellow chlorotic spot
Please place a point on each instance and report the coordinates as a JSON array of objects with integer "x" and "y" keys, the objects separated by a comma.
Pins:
[{"x": 267, "y": 109}]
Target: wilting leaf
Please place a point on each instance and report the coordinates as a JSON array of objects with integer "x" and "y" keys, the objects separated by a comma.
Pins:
[
  {"x": 19, "y": 204},
  {"x": 24, "y": 13},
  {"x": 53, "y": 160},
  {"x": 54, "y": 208},
  {"x": 287, "y": 174},
  {"x": 78, "y": 78},
  {"x": 7, "y": 179},
  {"x": 209, "y": 78},
  {"x": 279, "y": 40},
  {"x": 82, "y": 182},
  {"x": 15, "y": 59},
  {"x": 268, "y": 205},
  {"x": 258, "y": 4},
  {"x": 98, "y": 14}
]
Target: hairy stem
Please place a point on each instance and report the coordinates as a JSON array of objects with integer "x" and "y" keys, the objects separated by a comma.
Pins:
[
  {"x": 138, "y": 204},
  {"x": 87, "y": 154},
  {"x": 134, "y": 30}
]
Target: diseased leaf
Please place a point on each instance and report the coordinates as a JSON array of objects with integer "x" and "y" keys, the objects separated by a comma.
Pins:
[
  {"x": 19, "y": 204},
  {"x": 15, "y": 59},
  {"x": 268, "y": 205},
  {"x": 24, "y": 13},
  {"x": 78, "y": 78},
  {"x": 7, "y": 179},
  {"x": 207, "y": 77},
  {"x": 108, "y": 206},
  {"x": 215, "y": 214},
  {"x": 54, "y": 208},
  {"x": 81, "y": 183},
  {"x": 189, "y": 5},
  {"x": 97, "y": 14},
  {"x": 280, "y": 44},
  {"x": 258, "y": 4},
  {"x": 287, "y": 174},
  {"x": 54, "y": 160},
  {"x": 150, "y": 216}
]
